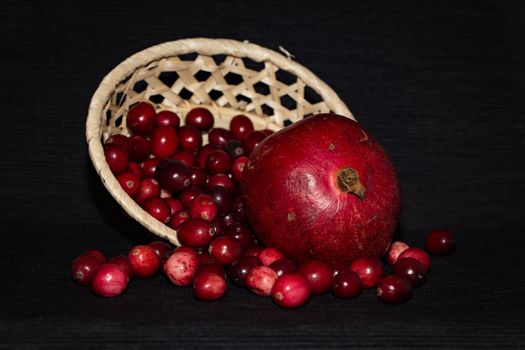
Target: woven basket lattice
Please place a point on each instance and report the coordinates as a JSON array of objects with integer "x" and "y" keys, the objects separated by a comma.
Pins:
[{"x": 227, "y": 77}]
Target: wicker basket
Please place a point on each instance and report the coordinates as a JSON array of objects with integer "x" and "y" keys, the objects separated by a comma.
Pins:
[{"x": 226, "y": 76}]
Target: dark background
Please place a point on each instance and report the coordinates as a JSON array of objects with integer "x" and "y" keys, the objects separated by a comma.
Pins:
[{"x": 440, "y": 84}]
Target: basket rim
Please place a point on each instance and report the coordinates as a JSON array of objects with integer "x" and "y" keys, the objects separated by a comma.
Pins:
[{"x": 202, "y": 46}]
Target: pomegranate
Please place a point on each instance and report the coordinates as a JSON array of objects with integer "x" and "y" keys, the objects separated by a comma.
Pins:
[{"x": 322, "y": 188}]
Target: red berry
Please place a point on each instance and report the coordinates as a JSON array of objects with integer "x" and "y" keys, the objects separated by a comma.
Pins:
[
  {"x": 203, "y": 207},
  {"x": 141, "y": 148},
  {"x": 97, "y": 253},
  {"x": 242, "y": 233},
  {"x": 160, "y": 248},
  {"x": 203, "y": 154},
  {"x": 136, "y": 170},
  {"x": 123, "y": 263},
  {"x": 283, "y": 266},
  {"x": 188, "y": 158},
  {"x": 149, "y": 166},
  {"x": 178, "y": 218},
  {"x": 412, "y": 270},
  {"x": 181, "y": 266},
  {"x": 198, "y": 177},
  {"x": 219, "y": 226},
  {"x": 209, "y": 286},
  {"x": 148, "y": 188},
  {"x": 241, "y": 126},
  {"x": 394, "y": 250},
  {"x": 260, "y": 280},
  {"x": 175, "y": 205},
  {"x": 268, "y": 132},
  {"x": 440, "y": 242},
  {"x": 109, "y": 281},
  {"x": 218, "y": 162},
  {"x": 204, "y": 257},
  {"x": 225, "y": 250},
  {"x": 394, "y": 290},
  {"x": 220, "y": 180},
  {"x": 190, "y": 138},
  {"x": 173, "y": 175},
  {"x": 141, "y": 118},
  {"x": 219, "y": 137},
  {"x": 291, "y": 290},
  {"x": 201, "y": 118},
  {"x": 318, "y": 274},
  {"x": 253, "y": 250},
  {"x": 210, "y": 267},
  {"x": 238, "y": 271},
  {"x": 117, "y": 158},
  {"x": 129, "y": 183},
  {"x": 164, "y": 141},
  {"x": 238, "y": 211},
  {"x": 144, "y": 261},
  {"x": 223, "y": 199},
  {"x": 347, "y": 285},
  {"x": 168, "y": 118},
  {"x": 195, "y": 233},
  {"x": 235, "y": 148},
  {"x": 338, "y": 267},
  {"x": 252, "y": 140},
  {"x": 158, "y": 208},
  {"x": 187, "y": 196},
  {"x": 84, "y": 268},
  {"x": 370, "y": 270},
  {"x": 121, "y": 140},
  {"x": 269, "y": 255},
  {"x": 418, "y": 254},
  {"x": 238, "y": 167}
]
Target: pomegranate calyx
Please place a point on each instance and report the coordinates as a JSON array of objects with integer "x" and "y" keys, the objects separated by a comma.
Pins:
[{"x": 348, "y": 181}]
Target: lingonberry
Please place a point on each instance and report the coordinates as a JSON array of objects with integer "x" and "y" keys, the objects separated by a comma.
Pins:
[
  {"x": 188, "y": 158},
  {"x": 117, "y": 158},
  {"x": 158, "y": 208},
  {"x": 370, "y": 270},
  {"x": 412, "y": 270},
  {"x": 238, "y": 167},
  {"x": 190, "y": 138},
  {"x": 84, "y": 268},
  {"x": 241, "y": 126},
  {"x": 203, "y": 154},
  {"x": 219, "y": 136},
  {"x": 235, "y": 148},
  {"x": 218, "y": 162},
  {"x": 418, "y": 254},
  {"x": 144, "y": 261},
  {"x": 160, "y": 247},
  {"x": 238, "y": 271},
  {"x": 203, "y": 207},
  {"x": 109, "y": 281},
  {"x": 141, "y": 148},
  {"x": 260, "y": 280},
  {"x": 195, "y": 233},
  {"x": 181, "y": 266},
  {"x": 173, "y": 175},
  {"x": 209, "y": 286},
  {"x": 129, "y": 183},
  {"x": 440, "y": 242},
  {"x": 168, "y": 118},
  {"x": 394, "y": 290},
  {"x": 220, "y": 180},
  {"x": 318, "y": 274},
  {"x": 225, "y": 250},
  {"x": 291, "y": 290},
  {"x": 252, "y": 140},
  {"x": 394, "y": 250},
  {"x": 201, "y": 118},
  {"x": 346, "y": 285},
  {"x": 123, "y": 263},
  {"x": 164, "y": 141},
  {"x": 269, "y": 255},
  {"x": 140, "y": 119},
  {"x": 178, "y": 218},
  {"x": 283, "y": 266}
]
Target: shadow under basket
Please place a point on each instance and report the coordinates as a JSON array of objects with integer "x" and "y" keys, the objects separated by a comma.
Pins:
[{"x": 225, "y": 76}]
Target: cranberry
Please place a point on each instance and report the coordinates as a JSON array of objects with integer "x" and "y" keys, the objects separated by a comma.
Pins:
[
  {"x": 252, "y": 140},
  {"x": 188, "y": 158},
  {"x": 210, "y": 267},
  {"x": 260, "y": 280},
  {"x": 195, "y": 233},
  {"x": 148, "y": 188},
  {"x": 141, "y": 118},
  {"x": 394, "y": 250},
  {"x": 370, "y": 270},
  {"x": 188, "y": 196},
  {"x": 218, "y": 162},
  {"x": 181, "y": 266},
  {"x": 229, "y": 220},
  {"x": 149, "y": 166},
  {"x": 173, "y": 175},
  {"x": 268, "y": 132},
  {"x": 223, "y": 199},
  {"x": 219, "y": 136},
  {"x": 136, "y": 170},
  {"x": 190, "y": 138},
  {"x": 178, "y": 218},
  {"x": 418, "y": 254},
  {"x": 238, "y": 210},
  {"x": 412, "y": 270},
  {"x": 84, "y": 268},
  {"x": 203, "y": 154},
  {"x": 241, "y": 126},
  {"x": 204, "y": 257},
  {"x": 144, "y": 261},
  {"x": 175, "y": 205},
  {"x": 240, "y": 232},
  {"x": 238, "y": 271},
  {"x": 337, "y": 267},
  {"x": 238, "y": 166},
  {"x": 347, "y": 285},
  {"x": 160, "y": 247},
  {"x": 318, "y": 274},
  {"x": 291, "y": 290},
  {"x": 440, "y": 242},
  {"x": 97, "y": 253},
  {"x": 129, "y": 183},
  {"x": 164, "y": 141},
  {"x": 117, "y": 158},
  {"x": 209, "y": 286},
  {"x": 123, "y": 263},
  {"x": 283, "y": 266},
  {"x": 235, "y": 148},
  {"x": 198, "y": 177},
  {"x": 225, "y": 250},
  {"x": 220, "y": 180},
  {"x": 168, "y": 118},
  {"x": 141, "y": 148},
  {"x": 394, "y": 290},
  {"x": 121, "y": 140},
  {"x": 269, "y": 255},
  {"x": 201, "y": 118},
  {"x": 203, "y": 207},
  {"x": 109, "y": 281},
  {"x": 188, "y": 250},
  {"x": 158, "y": 208},
  {"x": 219, "y": 226}
]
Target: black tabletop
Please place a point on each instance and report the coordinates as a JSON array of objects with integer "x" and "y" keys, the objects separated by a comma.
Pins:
[{"x": 440, "y": 84}]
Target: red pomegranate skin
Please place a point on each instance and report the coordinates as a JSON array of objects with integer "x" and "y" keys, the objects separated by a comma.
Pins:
[{"x": 296, "y": 196}]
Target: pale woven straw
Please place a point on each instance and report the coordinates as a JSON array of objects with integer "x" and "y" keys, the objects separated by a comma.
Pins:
[{"x": 226, "y": 76}]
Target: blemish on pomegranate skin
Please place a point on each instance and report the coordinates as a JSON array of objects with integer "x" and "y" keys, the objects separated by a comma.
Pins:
[
  {"x": 364, "y": 138},
  {"x": 291, "y": 216},
  {"x": 331, "y": 147}
]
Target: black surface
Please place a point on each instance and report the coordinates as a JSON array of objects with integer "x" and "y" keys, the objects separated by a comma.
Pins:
[{"x": 441, "y": 84}]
